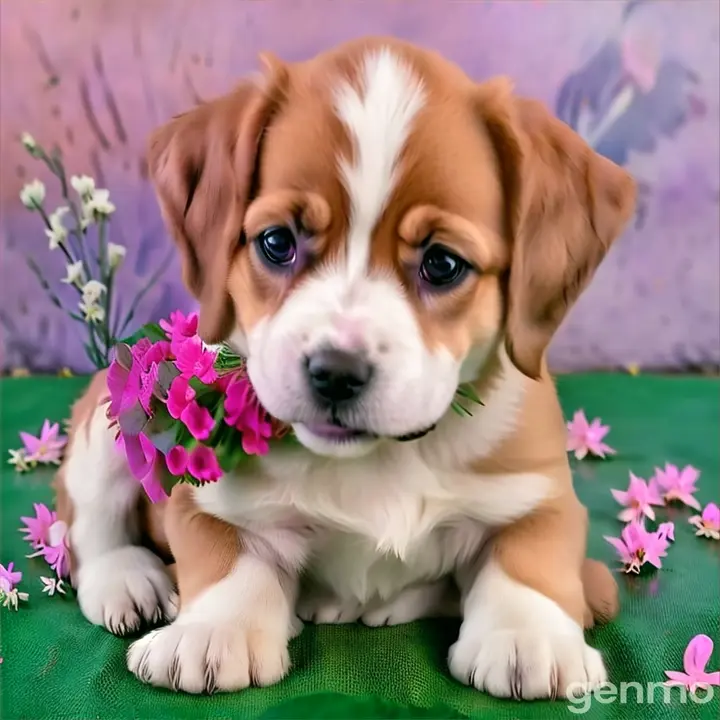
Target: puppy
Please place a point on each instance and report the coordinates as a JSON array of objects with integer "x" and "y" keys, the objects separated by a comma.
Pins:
[{"x": 371, "y": 229}]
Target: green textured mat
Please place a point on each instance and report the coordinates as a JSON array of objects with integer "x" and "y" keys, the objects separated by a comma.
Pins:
[{"x": 58, "y": 666}]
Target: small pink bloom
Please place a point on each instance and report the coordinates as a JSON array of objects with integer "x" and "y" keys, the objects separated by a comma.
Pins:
[
  {"x": 707, "y": 524},
  {"x": 48, "y": 447},
  {"x": 198, "y": 420},
  {"x": 145, "y": 463},
  {"x": 8, "y": 578},
  {"x": 637, "y": 499},
  {"x": 203, "y": 464},
  {"x": 695, "y": 660},
  {"x": 180, "y": 396},
  {"x": 124, "y": 383},
  {"x": 193, "y": 360},
  {"x": 55, "y": 551},
  {"x": 244, "y": 412},
  {"x": 180, "y": 328},
  {"x": 636, "y": 546},
  {"x": 156, "y": 353},
  {"x": 666, "y": 530},
  {"x": 147, "y": 385},
  {"x": 675, "y": 484},
  {"x": 177, "y": 460},
  {"x": 36, "y": 528},
  {"x": 586, "y": 438}
]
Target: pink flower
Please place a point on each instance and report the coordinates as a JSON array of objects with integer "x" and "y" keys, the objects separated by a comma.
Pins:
[
  {"x": 695, "y": 660},
  {"x": 48, "y": 447},
  {"x": 203, "y": 464},
  {"x": 177, "y": 460},
  {"x": 180, "y": 328},
  {"x": 676, "y": 484},
  {"x": 145, "y": 463},
  {"x": 180, "y": 396},
  {"x": 148, "y": 378},
  {"x": 36, "y": 528},
  {"x": 55, "y": 549},
  {"x": 8, "y": 578},
  {"x": 156, "y": 353},
  {"x": 637, "y": 499},
  {"x": 244, "y": 412},
  {"x": 707, "y": 524},
  {"x": 666, "y": 531},
  {"x": 198, "y": 420},
  {"x": 123, "y": 384},
  {"x": 586, "y": 438},
  {"x": 636, "y": 546},
  {"x": 193, "y": 360}
]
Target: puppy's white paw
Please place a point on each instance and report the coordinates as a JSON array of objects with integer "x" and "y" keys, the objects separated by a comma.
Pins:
[
  {"x": 125, "y": 588},
  {"x": 527, "y": 664},
  {"x": 197, "y": 657},
  {"x": 327, "y": 610},
  {"x": 516, "y": 642}
]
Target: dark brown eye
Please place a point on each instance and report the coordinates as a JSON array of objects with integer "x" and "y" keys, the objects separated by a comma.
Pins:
[
  {"x": 277, "y": 245},
  {"x": 441, "y": 268}
]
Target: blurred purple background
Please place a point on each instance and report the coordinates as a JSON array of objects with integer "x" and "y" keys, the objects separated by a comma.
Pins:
[{"x": 639, "y": 79}]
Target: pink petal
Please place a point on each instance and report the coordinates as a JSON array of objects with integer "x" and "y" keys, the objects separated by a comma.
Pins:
[
  {"x": 689, "y": 500},
  {"x": 712, "y": 678},
  {"x": 581, "y": 452},
  {"x": 622, "y": 496},
  {"x": 30, "y": 442},
  {"x": 711, "y": 515},
  {"x": 621, "y": 548},
  {"x": 677, "y": 678},
  {"x": 628, "y": 515},
  {"x": 697, "y": 654}
]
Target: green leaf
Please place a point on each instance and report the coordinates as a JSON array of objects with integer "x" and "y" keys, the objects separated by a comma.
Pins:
[
  {"x": 467, "y": 391},
  {"x": 151, "y": 331}
]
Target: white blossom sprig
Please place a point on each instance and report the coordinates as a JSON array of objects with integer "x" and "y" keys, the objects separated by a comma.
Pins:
[{"x": 90, "y": 267}]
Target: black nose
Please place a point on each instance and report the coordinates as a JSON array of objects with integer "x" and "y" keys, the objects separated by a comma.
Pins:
[{"x": 336, "y": 376}]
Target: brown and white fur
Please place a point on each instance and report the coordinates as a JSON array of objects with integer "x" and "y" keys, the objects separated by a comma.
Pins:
[{"x": 371, "y": 153}]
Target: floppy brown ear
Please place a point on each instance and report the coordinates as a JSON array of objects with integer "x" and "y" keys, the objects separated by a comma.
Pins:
[
  {"x": 565, "y": 205},
  {"x": 202, "y": 165}
]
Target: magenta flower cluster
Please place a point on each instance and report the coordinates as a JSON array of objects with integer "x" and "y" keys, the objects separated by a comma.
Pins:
[{"x": 138, "y": 382}]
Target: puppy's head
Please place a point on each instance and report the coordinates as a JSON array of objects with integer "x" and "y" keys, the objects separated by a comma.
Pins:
[{"x": 369, "y": 226}]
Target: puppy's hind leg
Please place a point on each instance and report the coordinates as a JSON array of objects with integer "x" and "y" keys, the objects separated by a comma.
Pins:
[{"x": 119, "y": 583}]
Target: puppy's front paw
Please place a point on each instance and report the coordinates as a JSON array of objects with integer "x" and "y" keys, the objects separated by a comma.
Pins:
[
  {"x": 517, "y": 642},
  {"x": 124, "y": 588},
  {"x": 199, "y": 656},
  {"x": 527, "y": 664}
]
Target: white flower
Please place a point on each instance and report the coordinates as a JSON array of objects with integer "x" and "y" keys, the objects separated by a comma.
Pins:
[
  {"x": 33, "y": 194},
  {"x": 75, "y": 274},
  {"x": 10, "y": 599},
  {"x": 92, "y": 291},
  {"x": 52, "y": 585},
  {"x": 116, "y": 255},
  {"x": 83, "y": 185},
  {"x": 92, "y": 312},
  {"x": 99, "y": 204},
  {"x": 20, "y": 460},
  {"x": 57, "y": 232},
  {"x": 28, "y": 142}
]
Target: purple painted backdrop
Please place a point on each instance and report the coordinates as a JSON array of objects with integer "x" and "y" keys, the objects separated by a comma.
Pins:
[{"x": 639, "y": 79}]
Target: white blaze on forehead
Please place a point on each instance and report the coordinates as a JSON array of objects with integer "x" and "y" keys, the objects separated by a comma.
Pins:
[{"x": 378, "y": 116}]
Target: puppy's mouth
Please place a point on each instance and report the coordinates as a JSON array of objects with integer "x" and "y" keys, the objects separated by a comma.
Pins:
[{"x": 338, "y": 433}]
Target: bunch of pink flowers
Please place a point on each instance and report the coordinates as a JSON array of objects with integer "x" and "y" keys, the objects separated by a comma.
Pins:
[
  {"x": 184, "y": 411},
  {"x": 636, "y": 545}
]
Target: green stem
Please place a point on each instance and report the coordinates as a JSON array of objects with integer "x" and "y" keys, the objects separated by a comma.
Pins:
[
  {"x": 66, "y": 251},
  {"x": 106, "y": 279}
]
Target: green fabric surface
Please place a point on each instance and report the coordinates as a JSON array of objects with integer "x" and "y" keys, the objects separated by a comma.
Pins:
[{"x": 56, "y": 665}]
